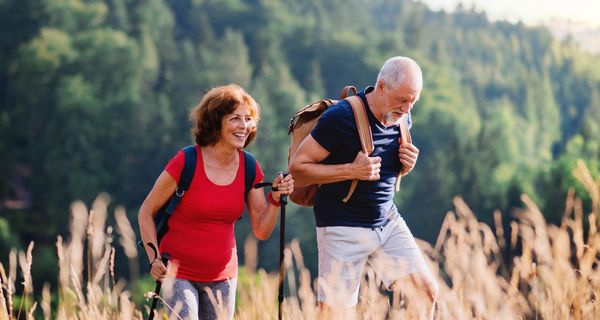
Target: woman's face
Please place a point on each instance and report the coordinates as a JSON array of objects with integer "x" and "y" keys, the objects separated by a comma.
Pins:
[{"x": 236, "y": 126}]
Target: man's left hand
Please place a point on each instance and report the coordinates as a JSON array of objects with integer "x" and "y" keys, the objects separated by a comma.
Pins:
[{"x": 408, "y": 154}]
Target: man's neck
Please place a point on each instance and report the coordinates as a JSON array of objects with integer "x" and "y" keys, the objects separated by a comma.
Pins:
[{"x": 373, "y": 103}]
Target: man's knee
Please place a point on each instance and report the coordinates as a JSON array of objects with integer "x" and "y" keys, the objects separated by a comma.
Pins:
[
  {"x": 327, "y": 312},
  {"x": 428, "y": 284},
  {"x": 433, "y": 287},
  {"x": 420, "y": 283}
]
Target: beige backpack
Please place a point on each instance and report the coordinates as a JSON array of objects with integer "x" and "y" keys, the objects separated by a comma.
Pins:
[{"x": 304, "y": 121}]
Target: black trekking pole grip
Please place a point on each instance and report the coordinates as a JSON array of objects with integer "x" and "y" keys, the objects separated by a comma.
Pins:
[
  {"x": 283, "y": 197},
  {"x": 164, "y": 257}
]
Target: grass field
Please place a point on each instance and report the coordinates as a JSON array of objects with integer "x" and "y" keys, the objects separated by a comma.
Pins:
[{"x": 554, "y": 272}]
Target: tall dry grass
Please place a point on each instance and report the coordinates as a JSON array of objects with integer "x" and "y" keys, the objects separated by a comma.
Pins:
[
  {"x": 554, "y": 272},
  {"x": 93, "y": 294}
]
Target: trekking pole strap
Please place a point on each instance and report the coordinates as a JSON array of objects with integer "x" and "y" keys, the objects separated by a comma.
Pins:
[{"x": 263, "y": 184}]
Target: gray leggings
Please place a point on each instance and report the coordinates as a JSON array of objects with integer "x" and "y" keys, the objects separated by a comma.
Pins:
[{"x": 194, "y": 300}]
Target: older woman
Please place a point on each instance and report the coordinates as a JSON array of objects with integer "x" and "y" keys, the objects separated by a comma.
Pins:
[{"x": 201, "y": 239}]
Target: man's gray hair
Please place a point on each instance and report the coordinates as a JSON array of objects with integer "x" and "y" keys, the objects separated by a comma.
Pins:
[{"x": 396, "y": 69}]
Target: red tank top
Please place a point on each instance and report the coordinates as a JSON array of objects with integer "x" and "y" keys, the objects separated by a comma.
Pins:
[{"x": 201, "y": 230}]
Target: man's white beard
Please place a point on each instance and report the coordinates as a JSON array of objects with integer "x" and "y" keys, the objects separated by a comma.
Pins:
[{"x": 390, "y": 120}]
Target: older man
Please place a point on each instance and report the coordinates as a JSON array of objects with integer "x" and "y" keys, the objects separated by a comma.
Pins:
[{"x": 367, "y": 228}]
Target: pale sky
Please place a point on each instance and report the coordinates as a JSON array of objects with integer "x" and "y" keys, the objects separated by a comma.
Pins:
[{"x": 529, "y": 11}]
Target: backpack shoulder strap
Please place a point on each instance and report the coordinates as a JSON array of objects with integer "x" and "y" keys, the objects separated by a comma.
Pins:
[
  {"x": 364, "y": 133},
  {"x": 189, "y": 167},
  {"x": 347, "y": 91},
  {"x": 187, "y": 174},
  {"x": 405, "y": 138},
  {"x": 249, "y": 172},
  {"x": 362, "y": 124},
  {"x": 404, "y": 130},
  {"x": 185, "y": 179}
]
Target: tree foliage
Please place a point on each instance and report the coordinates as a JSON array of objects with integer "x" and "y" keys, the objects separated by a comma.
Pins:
[{"x": 95, "y": 96}]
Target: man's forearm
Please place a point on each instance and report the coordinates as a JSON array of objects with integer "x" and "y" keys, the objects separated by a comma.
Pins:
[{"x": 316, "y": 173}]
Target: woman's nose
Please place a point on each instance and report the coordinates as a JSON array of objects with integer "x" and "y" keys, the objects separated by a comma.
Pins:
[{"x": 246, "y": 123}]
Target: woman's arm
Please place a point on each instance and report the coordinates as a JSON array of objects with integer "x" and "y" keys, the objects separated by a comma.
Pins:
[
  {"x": 263, "y": 214},
  {"x": 161, "y": 192}
]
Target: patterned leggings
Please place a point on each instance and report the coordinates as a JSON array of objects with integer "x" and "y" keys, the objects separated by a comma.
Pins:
[{"x": 191, "y": 299}]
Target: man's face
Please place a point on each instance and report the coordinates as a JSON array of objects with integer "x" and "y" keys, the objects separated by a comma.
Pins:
[{"x": 399, "y": 101}]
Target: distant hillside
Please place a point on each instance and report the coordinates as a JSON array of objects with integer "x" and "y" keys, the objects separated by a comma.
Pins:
[{"x": 586, "y": 36}]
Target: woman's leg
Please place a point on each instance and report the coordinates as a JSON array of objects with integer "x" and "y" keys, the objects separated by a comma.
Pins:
[
  {"x": 181, "y": 297},
  {"x": 217, "y": 299}
]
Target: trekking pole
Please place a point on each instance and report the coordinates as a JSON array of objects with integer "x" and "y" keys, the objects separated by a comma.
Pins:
[
  {"x": 282, "y": 204},
  {"x": 164, "y": 257}
]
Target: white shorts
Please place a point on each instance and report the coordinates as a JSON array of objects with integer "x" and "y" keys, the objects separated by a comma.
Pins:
[{"x": 343, "y": 251}]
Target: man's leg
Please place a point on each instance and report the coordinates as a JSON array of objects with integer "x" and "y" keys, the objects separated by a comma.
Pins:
[
  {"x": 421, "y": 292},
  {"x": 343, "y": 252},
  {"x": 400, "y": 264}
]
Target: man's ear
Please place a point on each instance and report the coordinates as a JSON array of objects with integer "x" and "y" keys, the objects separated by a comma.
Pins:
[{"x": 380, "y": 85}]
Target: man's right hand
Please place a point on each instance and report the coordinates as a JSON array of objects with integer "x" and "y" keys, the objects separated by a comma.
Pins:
[{"x": 365, "y": 167}]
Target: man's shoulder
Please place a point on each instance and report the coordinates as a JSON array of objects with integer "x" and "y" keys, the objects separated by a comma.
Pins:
[
  {"x": 335, "y": 125},
  {"x": 341, "y": 109}
]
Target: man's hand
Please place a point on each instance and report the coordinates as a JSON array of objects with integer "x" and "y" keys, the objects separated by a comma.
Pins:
[
  {"x": 365, "y": 167},
  {"x": 408, "y": 154}
]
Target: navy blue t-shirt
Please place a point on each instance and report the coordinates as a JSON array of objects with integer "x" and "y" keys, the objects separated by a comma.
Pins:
[{"x": 336, "y": 131}]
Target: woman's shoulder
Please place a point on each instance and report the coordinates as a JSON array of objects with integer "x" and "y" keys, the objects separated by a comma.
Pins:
[{"x": 175, "y": 165}]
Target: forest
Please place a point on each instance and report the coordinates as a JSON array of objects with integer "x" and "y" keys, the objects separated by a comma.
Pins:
[{"x": 95, "y": 95}]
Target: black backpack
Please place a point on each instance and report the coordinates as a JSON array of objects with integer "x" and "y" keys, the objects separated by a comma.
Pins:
[{"x": 187, "y": 174}]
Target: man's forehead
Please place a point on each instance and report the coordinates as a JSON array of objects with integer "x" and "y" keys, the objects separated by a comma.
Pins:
[{"x": 405, "y": 90}]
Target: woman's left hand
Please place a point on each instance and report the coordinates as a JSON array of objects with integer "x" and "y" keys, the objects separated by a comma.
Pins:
[{"x": 283, "y": 185}]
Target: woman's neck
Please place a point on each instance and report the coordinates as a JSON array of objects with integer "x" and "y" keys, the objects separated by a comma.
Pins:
[{"x": 221, "y": 154}]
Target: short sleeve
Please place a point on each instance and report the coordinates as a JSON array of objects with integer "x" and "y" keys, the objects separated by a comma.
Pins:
[
  {"x": 175, "y": 165},
  {"x": 259, "y": 174},
  {"x": 334, "y": 127}
]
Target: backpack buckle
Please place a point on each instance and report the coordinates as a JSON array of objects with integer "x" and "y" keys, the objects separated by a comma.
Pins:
[
  {"x": 179, "y": 192},
  {"x": 292, "y": 124}
]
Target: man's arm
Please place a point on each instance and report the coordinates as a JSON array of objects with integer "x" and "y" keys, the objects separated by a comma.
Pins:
[
  {"x": 306, "y": 168},
  {"x": 408, "y": 155}
]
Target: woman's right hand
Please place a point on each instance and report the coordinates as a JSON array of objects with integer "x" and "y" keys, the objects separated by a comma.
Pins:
[{"x": 158, "y": 270}]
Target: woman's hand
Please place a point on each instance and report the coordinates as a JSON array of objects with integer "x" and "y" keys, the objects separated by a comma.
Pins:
[
  {"x": 158, "y": 270},
  {"x": 283, "y": 185}
]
